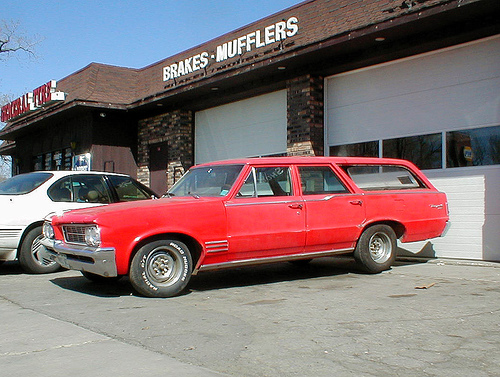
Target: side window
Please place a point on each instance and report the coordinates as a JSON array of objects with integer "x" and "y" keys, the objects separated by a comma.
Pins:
[
  {"x": 320, "y": 180},
  {"x": 127, "y": 189},
  {"x": 61, "y": 191},
  {"x": 80, "y": 189},
  {"x": 90, "y": 189},
  {"x": 248, "y": 190},
  {"x": 382, "y": 177},
  {"x": 268, "y": 181}
]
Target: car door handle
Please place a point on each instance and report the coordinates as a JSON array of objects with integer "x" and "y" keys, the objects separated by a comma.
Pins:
[
  {"x": 356, "y": 202},
  {"x": 295, "y": 206}
]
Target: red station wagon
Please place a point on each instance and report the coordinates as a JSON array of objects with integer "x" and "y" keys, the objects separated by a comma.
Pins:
[{"x": 253, "y": 211}]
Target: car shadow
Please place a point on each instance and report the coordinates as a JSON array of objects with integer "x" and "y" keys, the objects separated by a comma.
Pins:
[
  {"x": 271, "y": 273},
  {"x": 111, "y": 289},
  {"x": 222, "y": 279},
  {"x": 11, "y": 268}
]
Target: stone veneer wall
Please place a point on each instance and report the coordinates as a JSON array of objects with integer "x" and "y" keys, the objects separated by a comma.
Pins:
[
  {"x": 305, "y": 135},
  {"x": 305, "y": 101},
  {"x": 176, "y": 128}
]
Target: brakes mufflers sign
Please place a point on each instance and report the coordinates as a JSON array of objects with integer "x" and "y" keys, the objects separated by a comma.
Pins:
[
  {"x": 254, "y": 40},
  {"x": 31, "y": 101}
]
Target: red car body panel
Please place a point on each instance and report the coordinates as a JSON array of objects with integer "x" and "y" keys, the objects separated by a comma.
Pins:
[{"x": 229, "y": 228}]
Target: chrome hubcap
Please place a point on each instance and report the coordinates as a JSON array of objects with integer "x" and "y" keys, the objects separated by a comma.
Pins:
[
  {"x": 380, "y": 247},
  {"x": 39, "y": 253},
  {"x": 163, "y": 266}
]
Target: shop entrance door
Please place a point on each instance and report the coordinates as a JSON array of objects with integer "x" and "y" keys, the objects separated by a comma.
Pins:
[{"x": 158, "y": 163}]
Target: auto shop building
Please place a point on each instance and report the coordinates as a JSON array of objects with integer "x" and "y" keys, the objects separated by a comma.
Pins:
[{"x": 413, "y": 79}]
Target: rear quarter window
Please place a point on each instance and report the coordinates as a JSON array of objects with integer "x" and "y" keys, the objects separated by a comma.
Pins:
[
  {"x": 383, "y": 177},
  {"x": 23, "y": 183}
]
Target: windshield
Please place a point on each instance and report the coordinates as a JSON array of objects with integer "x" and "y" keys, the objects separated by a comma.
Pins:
[
  {"x": 23, "y": 183},
  {"x": 206, "y": 181}
]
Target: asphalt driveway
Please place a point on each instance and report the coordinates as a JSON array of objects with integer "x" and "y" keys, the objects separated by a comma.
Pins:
[{"x": 440, "y": 318}]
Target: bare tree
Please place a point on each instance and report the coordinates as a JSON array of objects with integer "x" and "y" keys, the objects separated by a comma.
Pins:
[
  {"x": 5, "y": 161},
  {"x": 14, "y": 41}
]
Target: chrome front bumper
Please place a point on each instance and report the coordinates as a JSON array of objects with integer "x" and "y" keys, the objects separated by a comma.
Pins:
[{"x": 99, "y": 261}]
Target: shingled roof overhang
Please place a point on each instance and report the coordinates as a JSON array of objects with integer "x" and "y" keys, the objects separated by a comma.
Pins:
[
  {"x": 334, "y": 36},
  {"x": 430, "y": 24},
  {"x": 53, "y": 113},
  {"x": 7, "y": 148}
]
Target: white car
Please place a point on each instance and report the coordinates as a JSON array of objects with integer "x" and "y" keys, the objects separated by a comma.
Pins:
[{"x": 26, "y": 199}]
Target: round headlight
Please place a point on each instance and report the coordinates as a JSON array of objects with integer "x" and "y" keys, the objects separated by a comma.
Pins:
[
  {"x": 48, "y": 230},
  {"x": 93, "y": 236}
]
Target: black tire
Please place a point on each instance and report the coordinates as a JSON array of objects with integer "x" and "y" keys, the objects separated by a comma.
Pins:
[
  {"x": 161, "y": 268},
  {"x": 32, "y": 255},
  {"x": 376, "y": 248},
  {"x": 98, "y": 278}
]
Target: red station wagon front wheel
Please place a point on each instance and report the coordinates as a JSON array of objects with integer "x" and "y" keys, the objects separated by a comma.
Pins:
[
  {"x": 376, "y": 248},
  {"x": 161, "y": 268}
]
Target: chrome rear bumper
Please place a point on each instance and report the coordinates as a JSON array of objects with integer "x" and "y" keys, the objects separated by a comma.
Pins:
[{"x": 446, "y": 229}]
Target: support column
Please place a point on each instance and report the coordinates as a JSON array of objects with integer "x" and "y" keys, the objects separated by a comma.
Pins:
[
  {"x": 177, "y": 129},
  {"x": 305, "y": 124}
]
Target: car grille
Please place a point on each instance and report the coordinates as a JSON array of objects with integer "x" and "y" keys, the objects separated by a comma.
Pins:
[{"x": 74, "y": 234}]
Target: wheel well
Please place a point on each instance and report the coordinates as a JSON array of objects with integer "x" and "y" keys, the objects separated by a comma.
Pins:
[
  {"x": 193, "y": 245},
  {"x": 26, "y": 231},
  {"x": 398, "y": 228}
]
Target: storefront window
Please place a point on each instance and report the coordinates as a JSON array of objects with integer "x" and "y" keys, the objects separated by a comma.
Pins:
[
  {"x": 38, "y": 163},
  {"x": 366, "y": 149},
  {"x": 67, "y": 159},
  {"x": 476, "y": 147},
  {"x": 48, "y": 161},
  {"x": 425, "y": 151},
  {"x": 57, "y": 160}
]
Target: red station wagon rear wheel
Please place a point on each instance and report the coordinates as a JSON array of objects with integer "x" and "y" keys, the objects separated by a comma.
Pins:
[
  {"x": 161, "y": 268},
  {"x": 376, "y": 248}
]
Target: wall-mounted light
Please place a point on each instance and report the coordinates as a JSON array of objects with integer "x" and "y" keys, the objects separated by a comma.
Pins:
[
  {"x": 380, "y": 39},
  {"x": 102, "y": 115},
  {"x": 214, "y": 88},
  {"x": 281, "y": 68}
]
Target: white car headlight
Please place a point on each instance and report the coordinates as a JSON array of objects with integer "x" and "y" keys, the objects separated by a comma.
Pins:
[
  {"x": 93, "y": 236},
  {"x": 48, "y": 230}
]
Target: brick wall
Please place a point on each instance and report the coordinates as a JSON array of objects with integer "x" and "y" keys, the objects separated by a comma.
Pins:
[
  {"x": 305, "y": 103},
  {"x": 175, "y": 128}
]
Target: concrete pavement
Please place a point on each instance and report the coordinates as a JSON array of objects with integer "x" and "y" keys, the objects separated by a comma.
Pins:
[{"x": 440, "y": 318}]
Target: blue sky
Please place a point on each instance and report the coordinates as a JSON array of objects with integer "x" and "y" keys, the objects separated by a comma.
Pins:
[{"x": 126, "y": 33}]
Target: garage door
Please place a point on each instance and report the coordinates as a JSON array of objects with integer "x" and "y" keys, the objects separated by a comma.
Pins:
[
  {"x": 440, "y": 110},
  {"x": 252, "y": 127}
]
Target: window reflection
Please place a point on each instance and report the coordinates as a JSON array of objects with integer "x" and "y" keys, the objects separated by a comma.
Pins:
[
  {"x": 425, "y": 151},
  {"x": 476, "y": 147},
  {"x": 366, "y": 149}
]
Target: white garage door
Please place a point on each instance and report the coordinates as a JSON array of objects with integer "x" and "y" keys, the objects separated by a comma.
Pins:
[
  {"x": 445, "y": 104},
  {"x": 248, "y": 128}
]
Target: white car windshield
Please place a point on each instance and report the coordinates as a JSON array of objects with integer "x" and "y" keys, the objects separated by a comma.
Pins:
[
  {"x": 206, "y": 181},
  {"x": 23, "y": 183}
]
